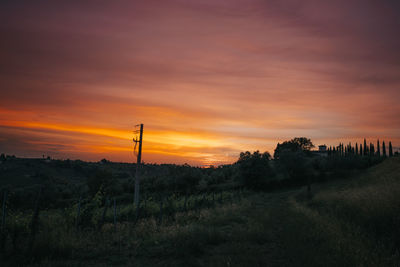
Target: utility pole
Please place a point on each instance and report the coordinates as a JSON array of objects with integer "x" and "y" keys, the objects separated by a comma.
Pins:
[{"x": 139, "y": 159}]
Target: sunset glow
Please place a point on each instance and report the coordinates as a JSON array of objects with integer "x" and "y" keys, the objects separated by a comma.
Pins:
[{"x": 208, "y": 79}]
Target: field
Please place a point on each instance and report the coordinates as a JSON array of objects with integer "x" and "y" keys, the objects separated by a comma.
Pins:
[{"x": 352, "y": 221}]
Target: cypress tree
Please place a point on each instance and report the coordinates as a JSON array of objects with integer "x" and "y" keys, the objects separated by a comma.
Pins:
[
  {"x": 371, "y": 149},
  {"x": 356, "y": 149},
  {"x": 365, "y": 147},
  {"x": 383, "y": 149},
  {"x": 378, "y": 149},
  {"x": 390, "y": 149}
]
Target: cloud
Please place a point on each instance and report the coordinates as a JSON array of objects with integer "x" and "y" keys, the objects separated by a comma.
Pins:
[{"x": 227, "y": 75}]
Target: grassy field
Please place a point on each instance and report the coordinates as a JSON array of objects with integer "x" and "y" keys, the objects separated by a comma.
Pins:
[{"x": 349, "y": 222}]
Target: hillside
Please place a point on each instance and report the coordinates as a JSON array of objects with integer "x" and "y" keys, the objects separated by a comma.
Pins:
[{"x": 353, "y": 221}]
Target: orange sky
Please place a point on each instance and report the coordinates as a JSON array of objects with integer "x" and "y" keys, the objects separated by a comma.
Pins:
[{"x": 208, "y": 79}]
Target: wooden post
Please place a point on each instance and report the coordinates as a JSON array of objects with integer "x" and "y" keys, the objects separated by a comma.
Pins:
[
  {"x": 161, "y": 209},
  {"x": 185, "y": 204},
  {"x": 3, "y": 221},
  {"x": 115, "y": 214},
  {"x": 3, "y": 214},
  {"x": 35, "y": 221},
  {"x": 78, "y": 214},
  {"x": 213, "y": 199},
  {"x": 137, "y": 175},
  {"x": 103, "y": 217}
]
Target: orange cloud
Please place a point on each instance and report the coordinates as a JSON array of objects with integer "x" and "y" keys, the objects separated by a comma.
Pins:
[{"x": 208, "y": 78}]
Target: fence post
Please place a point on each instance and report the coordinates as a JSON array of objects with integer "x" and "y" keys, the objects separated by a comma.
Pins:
[
  {"x": 145, "y": 202},
  {"x": 3, "y": 220},
  {"x": 103, "y": 217},
  {"x": 208, "y": 201},
  {"x": 78, "y": 213},
  {"x": 213, "y": 198},
  {"x": 3, "y": 216},
  {"x": 185, "y": 204},
  {"x": 161, "y": 209},
  {"x": 115, "y": 214},
  {"x": 35, "y": 221}
]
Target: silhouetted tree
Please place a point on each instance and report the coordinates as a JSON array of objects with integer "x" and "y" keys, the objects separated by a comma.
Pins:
[
  {"x": 371, "y": 149},
  {"x": 383, "y": 149},
  {"x": 255, "y": 169},
  {"x": 361, "y": 149},
  {"x": 356, "y": 149},
  {"x": 296, "y": 164},
  {"x": 390, "y": 149},
  {"x": 351, "y": 148},
  {"x": 365, "y": 147},
  {"x": 378, "y": 148},
  {"x": 296, "y": 144}
]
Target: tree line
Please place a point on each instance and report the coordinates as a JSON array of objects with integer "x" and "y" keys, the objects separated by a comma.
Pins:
[{"x": 362, "y": 150}]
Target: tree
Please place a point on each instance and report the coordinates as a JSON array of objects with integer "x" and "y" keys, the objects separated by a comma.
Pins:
[
  {"x": 371, "y": 149},
  {"x": 293, "y": 157},
  {"x": 187, "y": 179},
  {"x": 356, "y": 149},
  {"x": 378, "y": 148},
  {"x": 295, "y": 144},
  {"x": 297, "y": 165},
  {"x": 390, "y": 149},
  {"x": 255, "y": 169},
  {"x": 365, "y": 147},
  {"x": 383, "y": 149},
  {"x": 361, "y": 149}
]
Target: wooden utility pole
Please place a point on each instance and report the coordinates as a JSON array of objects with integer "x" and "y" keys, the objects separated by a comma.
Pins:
[{"x": 139, "y": 159}]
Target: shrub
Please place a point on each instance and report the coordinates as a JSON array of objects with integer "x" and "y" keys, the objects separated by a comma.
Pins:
[{"x": 255, "y": 169}]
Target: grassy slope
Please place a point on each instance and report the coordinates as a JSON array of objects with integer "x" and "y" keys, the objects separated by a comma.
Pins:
[
  {"x": 352, "y": 222},
  {"x": 348, "y": 223}
]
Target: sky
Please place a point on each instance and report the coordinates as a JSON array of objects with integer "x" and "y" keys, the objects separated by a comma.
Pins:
[{"x": 208, "y": 79}]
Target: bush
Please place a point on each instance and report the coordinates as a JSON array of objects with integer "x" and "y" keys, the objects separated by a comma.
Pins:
[{"x": 255, "y": 169}]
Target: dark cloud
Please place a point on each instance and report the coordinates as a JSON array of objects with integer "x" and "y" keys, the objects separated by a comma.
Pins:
[{"x": 269, "y": 66}]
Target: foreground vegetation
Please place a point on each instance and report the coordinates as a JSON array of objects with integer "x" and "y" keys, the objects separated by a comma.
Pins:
[
  {"x": 340, "y": 210},
  {"x": 349, "y": 222}
]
